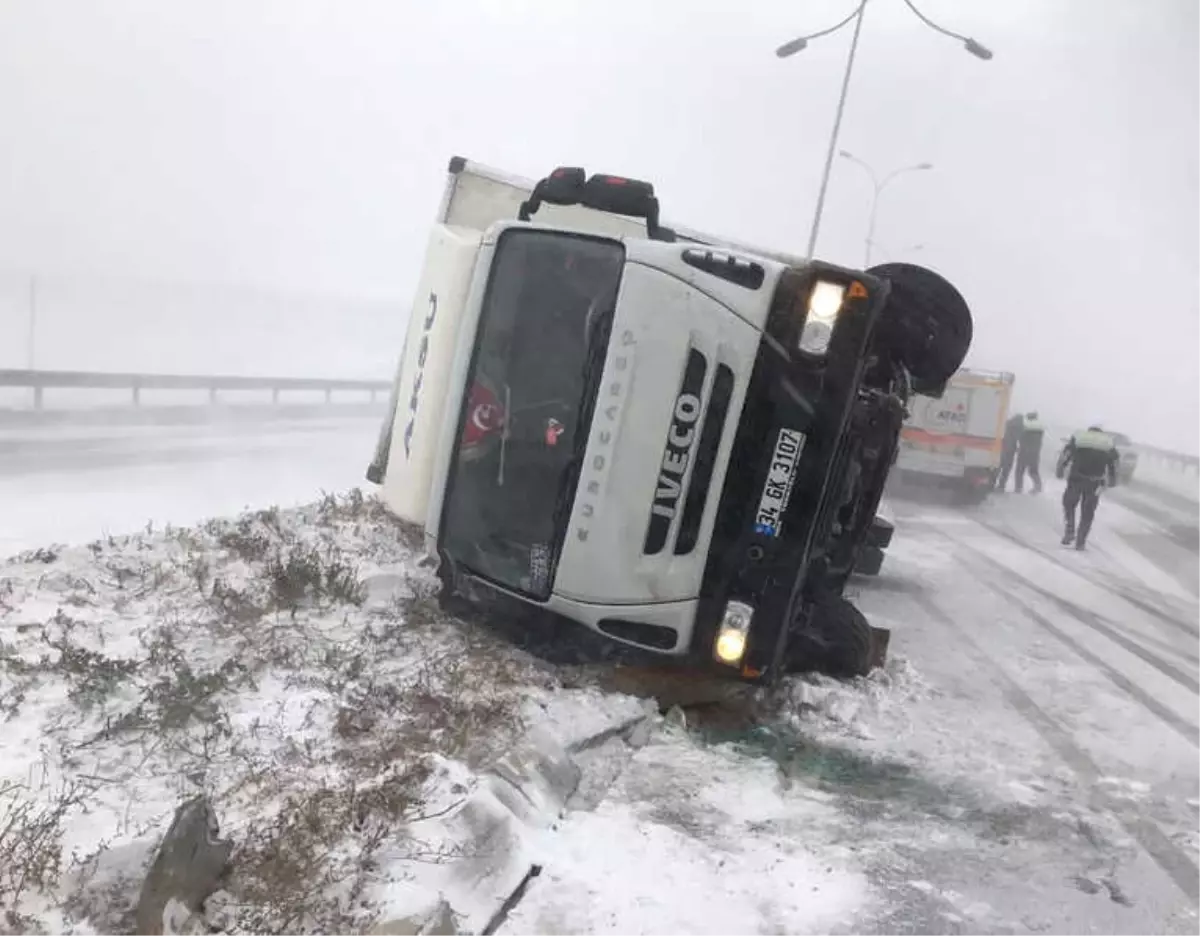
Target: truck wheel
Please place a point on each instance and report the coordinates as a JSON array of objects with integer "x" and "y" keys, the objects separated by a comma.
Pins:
[
  {"x": 926, "y": 324},
  {"x": 869, "y": 561},
  {"x": 836, "y": 641}
]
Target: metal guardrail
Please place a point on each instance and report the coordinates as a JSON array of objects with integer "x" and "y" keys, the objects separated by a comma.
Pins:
[
  {"x": 42, "y": 380},
  {"x": 1176, "y": 461}
]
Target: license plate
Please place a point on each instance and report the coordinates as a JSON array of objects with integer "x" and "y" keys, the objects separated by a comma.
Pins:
[{"x": 780, "y": 476}]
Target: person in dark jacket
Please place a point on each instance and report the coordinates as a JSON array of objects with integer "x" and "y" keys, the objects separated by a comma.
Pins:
[
  {"x": 1008, "y": 449},
  {"x": 1029, "y": 452},
  {"x": 1089, "y": 460}
]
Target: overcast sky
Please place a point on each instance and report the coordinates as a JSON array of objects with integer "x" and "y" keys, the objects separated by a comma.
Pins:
[{"x": 300, "y": 147}]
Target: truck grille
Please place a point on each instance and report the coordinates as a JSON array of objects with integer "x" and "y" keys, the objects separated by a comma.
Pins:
[
  {"x": 705, "y": 460},
  {"x": 704, "y": 438}
]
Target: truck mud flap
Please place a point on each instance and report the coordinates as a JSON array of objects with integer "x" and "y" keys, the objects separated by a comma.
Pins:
[{"x": 869, "y": 560}]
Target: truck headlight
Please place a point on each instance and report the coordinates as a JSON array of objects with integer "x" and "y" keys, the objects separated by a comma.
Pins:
[
  {"x": 824, "y": 304},
  {"x": 730, "y": 645}
]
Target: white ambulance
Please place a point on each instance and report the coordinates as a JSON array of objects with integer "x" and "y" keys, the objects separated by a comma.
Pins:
[{"x": 954, "y": 440}]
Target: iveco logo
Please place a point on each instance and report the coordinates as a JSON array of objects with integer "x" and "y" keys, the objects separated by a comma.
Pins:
[
  {"x": 681, "y": 438},
  {"x": 675, "y": 458},
  {"x": 415, "y": 397}
]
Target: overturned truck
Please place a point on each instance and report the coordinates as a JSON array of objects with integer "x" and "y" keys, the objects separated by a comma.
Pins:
[{"x": 674, "y": 440}]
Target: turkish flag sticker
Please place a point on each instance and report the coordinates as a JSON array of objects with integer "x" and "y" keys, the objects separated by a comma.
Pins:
[{"x": 485, "y": 416}]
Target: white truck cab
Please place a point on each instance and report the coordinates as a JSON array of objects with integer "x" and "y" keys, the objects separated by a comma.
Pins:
[{"x": 625, "y": 426}]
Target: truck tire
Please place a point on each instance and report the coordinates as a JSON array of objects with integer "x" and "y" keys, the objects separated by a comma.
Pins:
[
  {"x": 926, "y": 324},
  {"x": 836, "y": 641},
  {"x": 880, "y": 533},
  {"x": 869, "y": 561}
]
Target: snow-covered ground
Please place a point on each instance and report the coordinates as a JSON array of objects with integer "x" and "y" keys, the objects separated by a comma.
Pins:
[
  {"x": 1027, "y": 762},
  {"x": 291, "y": 667},
  {"x": 73, "y": 484}
]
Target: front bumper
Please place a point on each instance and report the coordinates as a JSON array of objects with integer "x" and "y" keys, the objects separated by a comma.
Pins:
[{"x": 768, "y": 569}]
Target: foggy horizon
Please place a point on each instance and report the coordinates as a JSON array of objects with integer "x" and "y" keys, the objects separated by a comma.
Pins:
[{"x": 292, "y": 150}]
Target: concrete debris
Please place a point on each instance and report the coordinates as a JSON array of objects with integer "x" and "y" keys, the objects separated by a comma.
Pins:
[
  {"x": 437, "y": 922},
  {"x": 189, "y": 866}
]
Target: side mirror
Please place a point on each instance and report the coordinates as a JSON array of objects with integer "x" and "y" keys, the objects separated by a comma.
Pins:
[
  {"x": 619, "y": 195},
  {"x": 564, "y": 186},
  {"x": 925, "y": 324}
]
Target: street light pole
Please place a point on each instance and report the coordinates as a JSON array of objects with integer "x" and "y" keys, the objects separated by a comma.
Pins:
[
  {"x": 798, "y": 44},
  {"x": 871, "y": 223},
  {"x": 833, "y": 136},
  {"x": 879, "y": 187}
]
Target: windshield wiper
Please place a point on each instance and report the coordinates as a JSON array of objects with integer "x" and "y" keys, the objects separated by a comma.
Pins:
[
  {"x": 504, "y": 434},
  {"x": 599, "y": 331}
]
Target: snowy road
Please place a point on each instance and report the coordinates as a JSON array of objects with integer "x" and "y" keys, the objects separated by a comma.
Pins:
[
  {"x": 1066, "y": 694},
  {"x": 72, "y": 485},
  {"x": 1027, "y": 764}
]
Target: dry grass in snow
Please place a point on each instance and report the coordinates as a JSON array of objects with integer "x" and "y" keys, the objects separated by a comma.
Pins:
[{"x": 290, "y": 665}]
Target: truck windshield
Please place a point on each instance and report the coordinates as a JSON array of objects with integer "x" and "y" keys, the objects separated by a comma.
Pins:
[{"x": 530, "y": 392}]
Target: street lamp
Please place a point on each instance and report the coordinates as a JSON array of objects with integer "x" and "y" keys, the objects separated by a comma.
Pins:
[
  {"x": 796, "y": 45},
  {"x": 880, "y": 185}
]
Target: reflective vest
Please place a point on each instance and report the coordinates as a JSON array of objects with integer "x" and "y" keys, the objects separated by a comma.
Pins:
[{"x": 1090, "y": 439}]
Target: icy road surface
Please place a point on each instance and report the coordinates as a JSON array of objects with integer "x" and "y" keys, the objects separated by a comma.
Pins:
[
  {"x": 73, "y": 484},
  {"x": 1027, "y": 763}
]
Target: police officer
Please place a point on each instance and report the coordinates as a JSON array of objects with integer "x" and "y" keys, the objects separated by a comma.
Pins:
[
  {"x": 1029, "y": 452},
  {"x": 1089, "y": 459},
  {"x": 1008, "y": 449}
]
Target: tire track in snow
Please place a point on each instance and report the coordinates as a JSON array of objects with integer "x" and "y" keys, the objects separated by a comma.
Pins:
[
  {"x": 1147, "y": 489},
  {"x": 1180, "y": 567},
  {"x": 1108, "y": 586},
  {"x": 1181, "y": 725},
  {"x": 1172, "y": 859},
  {"x": 1165, "y": 513},
  {"x": 1085, "y": 617},
  {"x": 1172, "y": 719},
  {"x": 1110, "y": 630}
]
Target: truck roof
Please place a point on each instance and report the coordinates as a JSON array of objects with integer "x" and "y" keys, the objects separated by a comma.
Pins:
[{"x": 478, "y": 195}]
